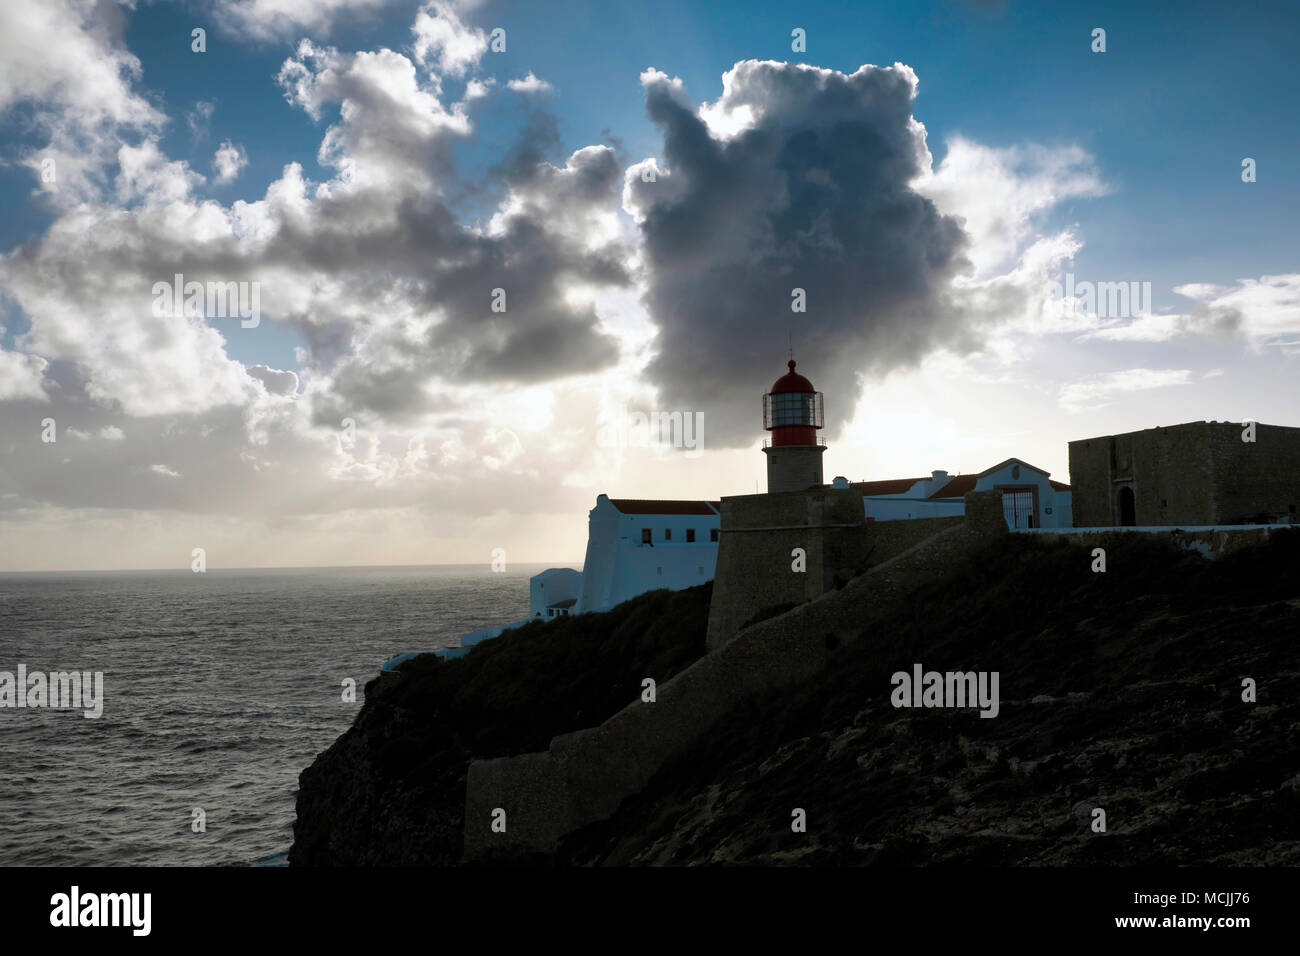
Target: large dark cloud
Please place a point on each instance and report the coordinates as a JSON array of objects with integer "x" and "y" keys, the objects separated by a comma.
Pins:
[{"x": 813, "y": 194}]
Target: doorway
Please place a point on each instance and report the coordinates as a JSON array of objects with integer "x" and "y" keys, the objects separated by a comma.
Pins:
[{"x": 1127, "y": 508}]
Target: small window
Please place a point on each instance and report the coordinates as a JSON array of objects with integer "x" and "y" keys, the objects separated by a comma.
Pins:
[
  {"x": 1015, "y": 472},
  {"x": 645, "y": 536},
  {"x": 1164, "y": 502},
  {"x": 661, "y": 571},
  {"x": 690, "y": 535},
  {"x": 1293, "y": 509},
  {"x": 713, "y": 532},
  {"x": 668, "y": 534},
  {"x": 701, "y": 570}
]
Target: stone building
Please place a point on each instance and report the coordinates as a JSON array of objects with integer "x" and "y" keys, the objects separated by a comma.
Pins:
[{"x": 1198, "y": 473}]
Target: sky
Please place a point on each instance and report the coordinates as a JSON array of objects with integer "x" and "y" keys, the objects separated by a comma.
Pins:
[{"x": 477, "y": 245}]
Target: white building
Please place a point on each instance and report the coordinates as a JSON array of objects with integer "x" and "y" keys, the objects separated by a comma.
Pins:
[
  {"x": 634, "y": 545},
  {"x": 1030, "y": 499},
  {"x": 553, "y": 593}
]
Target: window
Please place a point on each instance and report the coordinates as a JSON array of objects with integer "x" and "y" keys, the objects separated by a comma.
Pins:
[
  {"x": 661, "y": 571},
  {"x": 645, "y": 536},
  {"x": 690, "y": 535},
  {"x": 713, "y": 534},
  {"x": 668, "y": 534}
]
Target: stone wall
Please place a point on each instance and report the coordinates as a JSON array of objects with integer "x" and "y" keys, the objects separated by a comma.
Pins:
[
  {"x": 1213, "y": 543},
  {"x": 756, "y": 562},
  {"x": 1199, "y": 473},
  {"x": 1255, "y": 481},
  {"x": 887, "y": 539},
  {"x": 584, "y": 776},
  {"x": 793, "y": 467}
]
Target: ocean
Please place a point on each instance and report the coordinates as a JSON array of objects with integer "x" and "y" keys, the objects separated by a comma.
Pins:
[{"x": 218, "y": 690}]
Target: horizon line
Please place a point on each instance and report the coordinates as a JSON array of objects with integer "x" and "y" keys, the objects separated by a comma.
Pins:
[{"x": 276, "y": 567}]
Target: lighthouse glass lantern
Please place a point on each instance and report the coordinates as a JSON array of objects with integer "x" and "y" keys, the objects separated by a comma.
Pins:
[{"x": 792, "y": 412}]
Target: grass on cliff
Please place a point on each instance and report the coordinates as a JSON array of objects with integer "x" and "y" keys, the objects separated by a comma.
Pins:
[{"x": 1119, "y": 690}]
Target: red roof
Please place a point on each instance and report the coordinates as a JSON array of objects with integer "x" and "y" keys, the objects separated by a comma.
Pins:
[
  {"x": 890, "y": 486},
  {"x": 792, "y": 381},
  {"x": 957, "y": 487},
  {"x": 653, "y": 506}
]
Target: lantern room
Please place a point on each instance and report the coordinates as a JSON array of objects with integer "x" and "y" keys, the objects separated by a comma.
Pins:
[{"x": 792, "y": 411}]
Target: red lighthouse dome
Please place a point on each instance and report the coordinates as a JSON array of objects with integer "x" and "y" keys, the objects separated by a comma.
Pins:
[
  {"x": 792, "y": 411},
  {"x": 792, "y": 381}
]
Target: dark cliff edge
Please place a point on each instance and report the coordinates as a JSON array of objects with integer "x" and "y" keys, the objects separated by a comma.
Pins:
[
  {"x": 391, "y": 790},
  {"x": 1119, "y": 690}
]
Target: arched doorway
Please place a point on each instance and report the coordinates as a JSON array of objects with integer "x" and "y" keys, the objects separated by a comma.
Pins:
[{"x": 1127, "y": 507}]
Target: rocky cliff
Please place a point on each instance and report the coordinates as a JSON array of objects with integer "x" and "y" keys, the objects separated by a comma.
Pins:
[
  {"x": 1119, "y": 690},
  {"x": 391, "y": 791}
]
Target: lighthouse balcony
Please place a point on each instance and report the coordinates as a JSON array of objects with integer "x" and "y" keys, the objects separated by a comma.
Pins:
[{"x": 816, "y": 442}]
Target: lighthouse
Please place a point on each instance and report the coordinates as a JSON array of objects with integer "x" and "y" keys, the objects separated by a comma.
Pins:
[{"x": 792, "y": 412}]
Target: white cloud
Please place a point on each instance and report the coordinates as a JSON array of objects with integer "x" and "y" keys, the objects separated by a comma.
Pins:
[
  {"x": 286, "y": 19},
  {"x": 529, "y": 84},
  {"x": 1097, "y": 391},
  {"x": 228, "y": 161},
  {"x": 21, "y": 376},
  {"x": 1001, "y": 193},
  {"x": 144, "y": 173},
  {"x": 445, "y": 43},
  {"x": 199, "y": 118}
]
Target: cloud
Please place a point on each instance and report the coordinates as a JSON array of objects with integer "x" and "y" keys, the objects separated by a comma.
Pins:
[
  {"x": 1264, "y": 311},
  {"x": 266, "y": 20},
  {"x": 66, "y": 60},
  {"x": 228, "y": 161},
  {"x": 21, "y": 377},
  {"x": 999, "y": 194},
  {"x": 1097, "y": 391},
  {"x": 529, "y": 84},
  {"x": 390, "y": 292},
  {"x": 444, "y": 43},
  {"x": 798, "y": 177},
  {"x": 199, "y": 119},
  {"x": 277, "y": 381}
]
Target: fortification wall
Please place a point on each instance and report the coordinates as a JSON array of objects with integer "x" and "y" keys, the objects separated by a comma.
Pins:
[
  {"x": 584, "y": 776},
  {"x": 1169, "y": 469},
  {"x": 1208, "y": 542},
  {"x": 1254, "y": 480},
  {"x": 757, "y": 568},
  {"x": 1198, "y": 473},
  {"x": 887, "y": 539}
]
